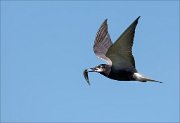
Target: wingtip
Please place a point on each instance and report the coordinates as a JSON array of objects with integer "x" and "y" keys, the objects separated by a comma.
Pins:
[
  {"x": 105, "y": 21},
  {"x": 138, "y": 18}
]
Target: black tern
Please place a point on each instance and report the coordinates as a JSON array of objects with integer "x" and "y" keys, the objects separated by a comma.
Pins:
[{"x": 118, "y": 56}]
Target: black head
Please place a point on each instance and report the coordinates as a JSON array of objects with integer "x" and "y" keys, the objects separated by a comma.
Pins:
[
  {"x": 99, "y": 68},
  {"x": 102, "y": 68}
]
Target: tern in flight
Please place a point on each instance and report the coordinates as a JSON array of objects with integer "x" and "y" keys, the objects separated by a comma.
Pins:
[{"x": 118, "y": 56}]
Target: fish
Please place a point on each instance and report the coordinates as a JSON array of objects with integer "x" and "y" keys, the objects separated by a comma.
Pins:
[{"x": 85, "y": 73}]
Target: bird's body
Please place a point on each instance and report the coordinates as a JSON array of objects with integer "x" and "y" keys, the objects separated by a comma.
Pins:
[
  {"x": 120, "y": 61},
  {"x": 121, "y": 74}
]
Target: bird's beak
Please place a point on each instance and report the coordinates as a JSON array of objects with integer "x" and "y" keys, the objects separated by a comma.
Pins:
[
  {"x": 92, "y": 70},
  {"x": 95, "y": 69}
]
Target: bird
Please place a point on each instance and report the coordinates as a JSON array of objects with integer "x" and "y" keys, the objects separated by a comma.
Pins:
[{"x": 120, "y": 62}]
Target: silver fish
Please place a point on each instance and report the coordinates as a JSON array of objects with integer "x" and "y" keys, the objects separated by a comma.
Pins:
[{"x": 85, "y": 73}]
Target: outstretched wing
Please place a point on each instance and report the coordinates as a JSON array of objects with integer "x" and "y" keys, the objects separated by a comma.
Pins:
[
  {"x": 120, "y": 52},
  {"x": 102, "y": 42}
]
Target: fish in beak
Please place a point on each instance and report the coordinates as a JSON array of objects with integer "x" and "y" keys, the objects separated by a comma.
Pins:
[{"x": 85, "y": 73}]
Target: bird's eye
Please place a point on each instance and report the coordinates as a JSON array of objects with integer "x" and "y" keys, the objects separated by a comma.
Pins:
[{"x": 99, "y": 66}]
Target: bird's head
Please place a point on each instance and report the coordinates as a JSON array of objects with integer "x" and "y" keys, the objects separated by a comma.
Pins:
[
  {"x": 103, "y": 69},
  {"x": 99, "y": 68}
]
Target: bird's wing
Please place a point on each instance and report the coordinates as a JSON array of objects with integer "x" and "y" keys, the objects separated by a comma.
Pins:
[
  {"x": 102, "y": 42},
  {"x": 120, "y": 52}
]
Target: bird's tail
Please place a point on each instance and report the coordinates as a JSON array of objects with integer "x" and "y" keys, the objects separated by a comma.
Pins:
[
  {"x": 142, "y": 78},
  {"x": 151, "y": 80}
]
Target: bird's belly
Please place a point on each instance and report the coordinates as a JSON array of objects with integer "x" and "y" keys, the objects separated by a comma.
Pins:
[{"x": 121, "y": 75}]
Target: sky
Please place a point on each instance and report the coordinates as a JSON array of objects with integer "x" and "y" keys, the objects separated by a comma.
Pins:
[{"x": 46, "y": 45}]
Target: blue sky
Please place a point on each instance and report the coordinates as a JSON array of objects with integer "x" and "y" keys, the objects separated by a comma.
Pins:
[{"x": 45, "y": 46}]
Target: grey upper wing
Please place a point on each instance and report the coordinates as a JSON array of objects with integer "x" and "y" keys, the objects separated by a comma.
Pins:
[
  {"x": 102, "y": 42},
  {"x": 120, "y": 52}
]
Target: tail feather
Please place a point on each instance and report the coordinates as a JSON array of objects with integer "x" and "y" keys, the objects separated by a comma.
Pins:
[
  {"x": 151, "y": 80},
  {"x": 142, "y": 78}
]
